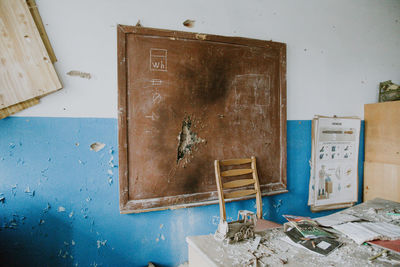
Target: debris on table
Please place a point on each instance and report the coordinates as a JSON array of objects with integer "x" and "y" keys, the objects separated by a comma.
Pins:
[{"x": 239, "y": 230}]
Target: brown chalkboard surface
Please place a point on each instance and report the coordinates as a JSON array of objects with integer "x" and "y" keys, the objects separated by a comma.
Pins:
[{"x": 186, "y": 99}]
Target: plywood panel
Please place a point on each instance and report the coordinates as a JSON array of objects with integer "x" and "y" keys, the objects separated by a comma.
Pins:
[
  {"x": 382, "y": 132},
  {"x": 39, "y": 24},
  {"x": 381, "y": 180},
  {"x": 186, "y": 99},
  {"x": 5, "y": 112},
  {"x": 26, "y": 70}
]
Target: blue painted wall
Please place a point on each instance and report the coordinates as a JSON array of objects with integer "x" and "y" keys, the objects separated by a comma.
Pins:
[{"x": 46, "y": 165}]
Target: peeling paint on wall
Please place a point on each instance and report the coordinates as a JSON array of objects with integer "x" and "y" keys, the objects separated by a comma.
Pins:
[
  {"x": 188, "y": 23},
  {"x": 61, "y": 209},
  {"x": 80, "y": 74},
  {"x": 101, "y": 243},
  {"x": 97, "y": 146}
]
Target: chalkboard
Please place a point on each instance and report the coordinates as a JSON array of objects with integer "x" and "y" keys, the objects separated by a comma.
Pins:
[{"x": 186, "y": 99}]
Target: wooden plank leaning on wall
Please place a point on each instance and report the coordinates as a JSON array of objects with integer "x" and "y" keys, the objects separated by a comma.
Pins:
[
  {"x": 24, "y": 41},
  {"x": 382, "y": 151}
]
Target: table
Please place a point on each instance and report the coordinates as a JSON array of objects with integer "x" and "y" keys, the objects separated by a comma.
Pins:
[{"x": 273, "y": 251}]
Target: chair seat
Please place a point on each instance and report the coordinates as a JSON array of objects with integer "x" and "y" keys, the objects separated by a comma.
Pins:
[{"x": 262, "y": 225}]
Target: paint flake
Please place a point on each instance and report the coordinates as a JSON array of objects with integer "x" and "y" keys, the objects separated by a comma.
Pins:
[
  {"x": 14, "y": 190},
  {"x": 48, "y": 207},
  {"x": 29, "y": 192},
  {"x": 84, "y": 75},
  {"x": 188, "y": 23},
  {"x": 61, "y": 209},
  {"x": 101, "y": 243},
  {"x": 110, "y": 162},
  {"x": 97, "y": 146}
]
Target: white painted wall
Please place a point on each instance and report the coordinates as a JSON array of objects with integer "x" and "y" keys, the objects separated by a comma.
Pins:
[{"x": 338, "y": 50}]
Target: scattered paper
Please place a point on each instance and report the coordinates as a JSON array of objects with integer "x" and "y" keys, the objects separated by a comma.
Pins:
[
  {"x": 363, "y": 232},
  {"x": 324, "y": 245},
  {"x": 335, "y": 219}
]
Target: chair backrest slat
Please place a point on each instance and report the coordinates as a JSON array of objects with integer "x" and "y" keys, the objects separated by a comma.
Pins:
[
  {"x": 227, "y": 162},
  {"x": 236, "y": 172},
  {"x": 238, "y": 183},
  {"x": 240, "y": 193}
]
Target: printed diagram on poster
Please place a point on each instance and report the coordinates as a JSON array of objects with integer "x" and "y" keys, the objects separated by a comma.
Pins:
[{"x": 334, "y": 162}]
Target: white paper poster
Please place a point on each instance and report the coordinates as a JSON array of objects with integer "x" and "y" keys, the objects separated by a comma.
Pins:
[{"x": 334, "y": 162}]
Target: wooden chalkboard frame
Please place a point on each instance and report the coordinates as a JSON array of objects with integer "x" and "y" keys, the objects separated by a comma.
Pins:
[{"x": 182, "y": 201}]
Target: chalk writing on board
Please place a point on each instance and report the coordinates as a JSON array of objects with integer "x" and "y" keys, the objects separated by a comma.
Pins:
[
  {"x": 156, "y": 82},
  {"x": 158, "y": 59},
  {"x": 153, "y": 116},
  {"x": 156, "y": 98}
]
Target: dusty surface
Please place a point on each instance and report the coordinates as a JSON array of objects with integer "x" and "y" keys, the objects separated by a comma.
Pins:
[
  {"x": 376, "y": 210},
  {"x": 274, "y": 251}
]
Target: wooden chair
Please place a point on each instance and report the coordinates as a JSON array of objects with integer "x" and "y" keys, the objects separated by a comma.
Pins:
[{"x": 239, "y": 188}]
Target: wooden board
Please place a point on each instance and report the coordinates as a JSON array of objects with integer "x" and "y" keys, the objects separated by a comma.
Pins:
[
  {"x": 5, "y": 112},
  {"x": 381, "y": 180},
  {"x": 186, "y": 99},
  {"x": 382, "y": 132},
  {"x": 26, "y": 70},
  {"x": 39, "y": 24}
]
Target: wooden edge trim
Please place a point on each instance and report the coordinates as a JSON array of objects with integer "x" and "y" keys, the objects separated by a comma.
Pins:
[
  {"x": 134, "y": 206},
  {"x": 283, "y": 114},
  {"x": 7, "y": 111},
  {"x": 122, "y": 122},
  {"x": 332, "y": 206},
  {"x": 42, "y": 31},
  {"x": 201, "y": 36}
]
